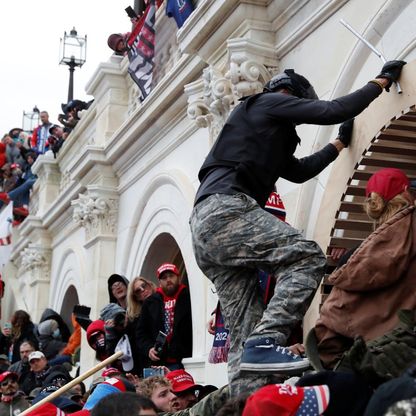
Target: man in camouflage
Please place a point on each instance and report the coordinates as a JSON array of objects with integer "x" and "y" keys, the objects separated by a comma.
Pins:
[{"x": 233, "y": 236}]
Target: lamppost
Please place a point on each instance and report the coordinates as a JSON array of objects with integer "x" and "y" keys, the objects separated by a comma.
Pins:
[
  {"x": 73, "y": 53},
  {"x": 30, "y": 120}
]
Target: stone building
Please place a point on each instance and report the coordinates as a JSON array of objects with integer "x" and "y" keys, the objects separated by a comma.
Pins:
[{"x": 118, "y": 196}]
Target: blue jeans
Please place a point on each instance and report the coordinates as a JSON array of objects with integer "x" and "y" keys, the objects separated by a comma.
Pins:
[{"x": 20, "y": 195}]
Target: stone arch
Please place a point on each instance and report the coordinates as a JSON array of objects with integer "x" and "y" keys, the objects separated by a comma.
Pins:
[
  {"x": 70, "y": 299},
  {"x": 333, "y": 184},
  {"x": 359, "y": 66},
  {"x": 161, "y": 217},
  {"x": 394, "y": 146},
  {"x": 163, "y": 249}
]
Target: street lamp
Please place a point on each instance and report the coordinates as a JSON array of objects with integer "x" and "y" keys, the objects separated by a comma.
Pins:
[
  {"x": 73, "y": 53},
  {"x": 30, "y": 120}
]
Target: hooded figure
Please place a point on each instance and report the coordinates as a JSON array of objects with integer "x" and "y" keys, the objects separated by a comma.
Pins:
[
  {"x": 114, "y": 317},
  {"x": 50, "y": 338},
  {"x": 96, "y": 339},
  {"x": 63, "y": 327},
  {"x": 117, "y": 295}
]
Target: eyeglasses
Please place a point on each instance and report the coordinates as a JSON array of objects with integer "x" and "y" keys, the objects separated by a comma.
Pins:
[
  {"x": 141, "y": 288},
  {"x": 117, "y": 284},
  {"x": 7, "y": 382}
]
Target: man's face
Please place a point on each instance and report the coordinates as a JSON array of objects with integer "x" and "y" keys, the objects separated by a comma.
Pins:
[
  {"x": 9, "y": 386},
  {"x": 169, "y": 282},
  {"x": 162, "y": 398},
  {"x": 184, "y": 400},
  {"x": 119, "y": 290},
  {"x": 38, "y": 364},
  {"x": 25, "y": 350},
  {"x": 121, "y": 46},
  {"x": 44, "y": 117}
]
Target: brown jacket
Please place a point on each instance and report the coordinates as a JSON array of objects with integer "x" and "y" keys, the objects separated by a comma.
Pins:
[{"x": 377, "y": 281}]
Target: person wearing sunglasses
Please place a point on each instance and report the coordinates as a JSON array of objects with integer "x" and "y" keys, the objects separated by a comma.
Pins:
[{"x": 139, "y": 289}]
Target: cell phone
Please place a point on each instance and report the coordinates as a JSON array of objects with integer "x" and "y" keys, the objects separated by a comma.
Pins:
[
  {"x": 82, "y": 315},
  {"x": 150, "y": 372},
  {"x": 130, "y": 12},
  {"x": 160, "y": 342}
]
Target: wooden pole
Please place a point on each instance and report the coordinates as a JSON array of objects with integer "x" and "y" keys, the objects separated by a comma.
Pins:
[{"x": 74, "y": 382}]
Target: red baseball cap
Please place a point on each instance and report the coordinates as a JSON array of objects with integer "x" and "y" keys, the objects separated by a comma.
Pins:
[
  {"x": 6, "y": 374},
  {"x": 181, "y": 381},
  {"x": 165, "y": 267},
  {"x": 388, "y": 183},
  {"x": 287, "y": 400}
]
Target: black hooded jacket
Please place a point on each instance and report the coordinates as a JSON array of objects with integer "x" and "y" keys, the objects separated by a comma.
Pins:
[
  {"x": 111, "y": 280},
  {"x": 49, "y": 313},
  {"x": 257, "y": 143}
]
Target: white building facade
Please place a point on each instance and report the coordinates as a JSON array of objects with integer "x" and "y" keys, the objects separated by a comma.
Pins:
[{"x": 118, "y": 197}]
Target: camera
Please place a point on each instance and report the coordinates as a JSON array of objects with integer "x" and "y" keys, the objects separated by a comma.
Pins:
[{"x": 160, "y": 342}]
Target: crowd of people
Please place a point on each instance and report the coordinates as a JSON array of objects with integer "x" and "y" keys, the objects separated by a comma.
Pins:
[
  {"x": 19, "y": 150},
  {"x": 358, "y": 359},
  {"x": 150, "y": 324}
]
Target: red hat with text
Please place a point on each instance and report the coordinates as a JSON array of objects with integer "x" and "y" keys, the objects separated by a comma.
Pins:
[
  {"x": 167, "y": 267},
  {"x": 8, "y": 374},
  {"x": 388, "y": 183},
  {"x": 287, "y": 400},
  {"x": 181, "y": 381}
]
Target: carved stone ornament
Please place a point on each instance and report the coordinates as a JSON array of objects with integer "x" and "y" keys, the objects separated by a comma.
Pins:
[
  {"x": 97, "y": 214},
  {"x": 210, "y": 100},
  {"x": 247, "y": 76},
  {"x": 34, "y": 258}
]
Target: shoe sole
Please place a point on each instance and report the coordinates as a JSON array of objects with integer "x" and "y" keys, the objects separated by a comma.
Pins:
[{"x": 275, "y": 368}]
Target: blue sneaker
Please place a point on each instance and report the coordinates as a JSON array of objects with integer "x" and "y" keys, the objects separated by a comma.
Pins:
[{"x": 264, "y": 355}]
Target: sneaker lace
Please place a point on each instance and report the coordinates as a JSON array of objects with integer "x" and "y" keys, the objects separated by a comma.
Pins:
[{"x": 286, "y": 351}]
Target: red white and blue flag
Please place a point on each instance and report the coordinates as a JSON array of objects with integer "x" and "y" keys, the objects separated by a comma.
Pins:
[{"x": 141, "y": 43}]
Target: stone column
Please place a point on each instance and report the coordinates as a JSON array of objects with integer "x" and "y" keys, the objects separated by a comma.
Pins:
[
  {"x": 96, "y": 211},
  {"x": 34, "y": 273}
]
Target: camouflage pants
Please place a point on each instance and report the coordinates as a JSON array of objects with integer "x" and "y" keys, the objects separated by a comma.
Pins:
[{"x": 232, "y": 238}]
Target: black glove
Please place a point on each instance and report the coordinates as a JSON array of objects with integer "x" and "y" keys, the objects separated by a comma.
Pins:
[
  {"x": 391, "y": 70},
  {"x": 345, "y": 132}
]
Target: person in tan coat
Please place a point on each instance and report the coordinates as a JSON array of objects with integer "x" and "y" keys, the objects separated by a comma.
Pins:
[{"x": 379, "y": 278}]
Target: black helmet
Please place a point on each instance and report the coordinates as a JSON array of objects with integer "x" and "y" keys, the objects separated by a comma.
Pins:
[{"x": 297, "y": 84}]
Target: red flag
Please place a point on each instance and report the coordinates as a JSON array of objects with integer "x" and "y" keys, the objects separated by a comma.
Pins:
[{"x": 141, "y": 44}]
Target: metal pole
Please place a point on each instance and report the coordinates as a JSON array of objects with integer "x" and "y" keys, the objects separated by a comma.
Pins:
[
  {"x": 72, "y": 66},
  {"x": 369, "y": 45}
]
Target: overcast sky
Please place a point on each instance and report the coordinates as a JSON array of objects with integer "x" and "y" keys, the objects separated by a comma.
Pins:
[{"x": 30, "y": 33}]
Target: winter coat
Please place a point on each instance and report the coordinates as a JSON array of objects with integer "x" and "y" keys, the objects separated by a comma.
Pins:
[
  {"x": 63, "y": 327},
  {"x": 3, "y": 158},
  {"x": 377, "y": 281},
  {"x": 259, "y": 139},
  {"x": 151, "y": 321},
  {"x": 52, "y": 373},
  {"x": 16, "y": 406}
]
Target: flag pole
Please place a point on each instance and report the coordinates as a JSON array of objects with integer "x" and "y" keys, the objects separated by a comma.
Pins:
[{"x": 74, "y": 382}]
